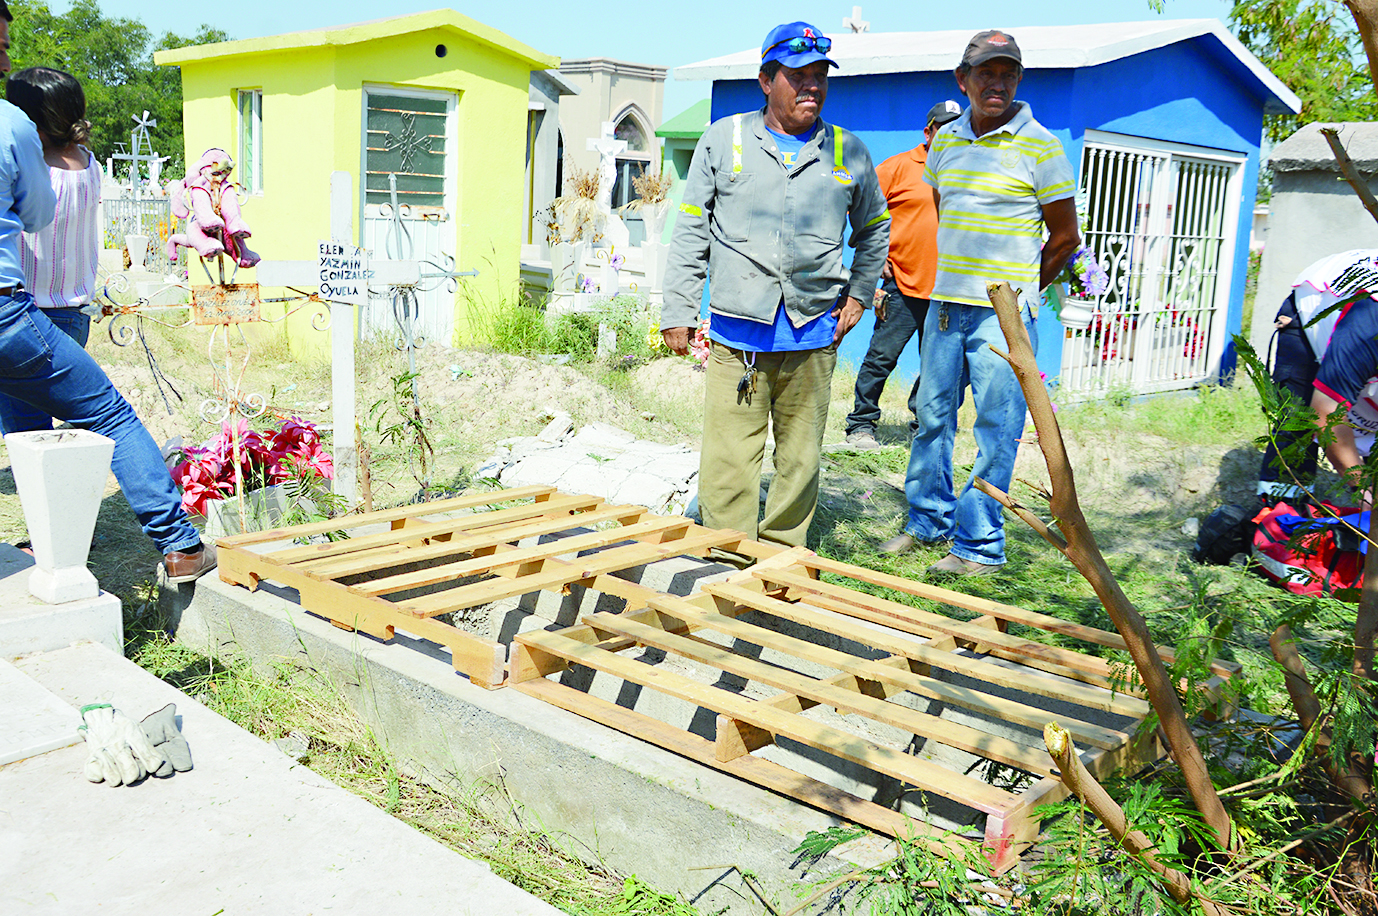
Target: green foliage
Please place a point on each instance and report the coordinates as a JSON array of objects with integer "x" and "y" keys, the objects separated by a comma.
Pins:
[
  {"x": 113, "y": 58},
  {"x": 310, "y": 499},
  {"x": 399, "y": 422},
  {"x": 818, "y": 843},
  {"x": 640, "y": 899},
  {"x": 1084, "y": 871},
  {"x": 629, "y": 317},
  {"x": 1313, "y": 46},
  {"x": 518, "y": 326}
]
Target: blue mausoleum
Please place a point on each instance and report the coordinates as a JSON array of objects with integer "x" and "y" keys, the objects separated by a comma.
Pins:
[{"x": 1162, "y": 121}]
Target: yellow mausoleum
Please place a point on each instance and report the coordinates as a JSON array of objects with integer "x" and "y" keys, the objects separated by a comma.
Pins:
[{"x": 436, "y": 99}]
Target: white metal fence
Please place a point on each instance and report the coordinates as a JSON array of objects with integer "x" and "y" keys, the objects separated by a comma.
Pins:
[
  {"x": 150, "y": 216},
  {"x": 1161, "y": 219}
]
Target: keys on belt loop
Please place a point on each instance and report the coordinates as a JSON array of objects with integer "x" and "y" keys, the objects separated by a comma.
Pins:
[
  {"x": 942, "y": 316},
  {"x": 747, "y": 385}
]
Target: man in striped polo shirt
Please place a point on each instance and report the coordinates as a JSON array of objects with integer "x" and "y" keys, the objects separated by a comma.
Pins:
[{"x": 1001, "y": 177}]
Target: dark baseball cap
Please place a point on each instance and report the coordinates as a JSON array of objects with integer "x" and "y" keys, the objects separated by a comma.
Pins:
[
  {"x": 989, "y": 45},
  {"x": 796, "y": 44},
  {"x": 943, "y": 112}
]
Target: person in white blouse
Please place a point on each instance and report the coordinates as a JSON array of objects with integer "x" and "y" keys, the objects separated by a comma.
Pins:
[{"x": 59, "y": 260}]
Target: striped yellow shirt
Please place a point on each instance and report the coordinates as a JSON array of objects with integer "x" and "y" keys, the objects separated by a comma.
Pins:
[{"x": 992, "y": 191}]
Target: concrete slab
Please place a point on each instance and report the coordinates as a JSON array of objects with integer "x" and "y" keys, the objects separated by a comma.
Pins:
[
  {"x": 639, "y": 808},
  {"x": 33, "y": 720},
  {"x": 28, "y": 625},
  {"x": 247, "y": 831}
]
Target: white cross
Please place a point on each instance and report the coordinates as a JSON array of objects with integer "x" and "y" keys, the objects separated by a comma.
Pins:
[
  {"x": 304, "y": 275},
  {"x": 607, "y": 146},
  {"x": 855, "y": 22}
]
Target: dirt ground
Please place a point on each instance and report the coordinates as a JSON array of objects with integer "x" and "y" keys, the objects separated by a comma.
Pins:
[{"x": 472, "y": 399}]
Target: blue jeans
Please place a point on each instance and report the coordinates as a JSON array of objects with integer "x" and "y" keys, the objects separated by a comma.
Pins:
[
  {"x": 952, "y": 359},
  {"x": 904, "y": 318},
  {"x": 44, "y": 368},
  {"x": 18, "y": 417}
]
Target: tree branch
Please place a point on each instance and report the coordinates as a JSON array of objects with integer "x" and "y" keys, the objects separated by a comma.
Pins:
[
  {"x": 1084, "y": 553},
  {"x": 1308, "y": 709},
  {"x": 1033, "y": 521},
  {"x": 1079, "y": 779},
  {"x": 1349, "y": 170}
]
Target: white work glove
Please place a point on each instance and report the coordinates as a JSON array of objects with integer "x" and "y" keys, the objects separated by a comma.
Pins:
[
  {"x": 119, "y": 751},
  {"x": 163, "y": 733}
]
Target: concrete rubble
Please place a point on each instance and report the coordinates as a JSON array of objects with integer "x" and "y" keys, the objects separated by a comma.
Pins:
[{"x": 599, "y": 460}]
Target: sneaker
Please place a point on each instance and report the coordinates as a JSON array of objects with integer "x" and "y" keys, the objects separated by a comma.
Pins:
[
  {"x": 186, "y": 567},
  {"x": 953, "y": 565},
  {"x": 863, "y": 439}
]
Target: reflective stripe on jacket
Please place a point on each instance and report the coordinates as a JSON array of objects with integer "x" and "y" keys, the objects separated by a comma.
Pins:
[{"x": 765, "y": 233}]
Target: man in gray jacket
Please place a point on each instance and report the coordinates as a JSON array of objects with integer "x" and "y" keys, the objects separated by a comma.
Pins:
[{"x": 766, "y": 203}]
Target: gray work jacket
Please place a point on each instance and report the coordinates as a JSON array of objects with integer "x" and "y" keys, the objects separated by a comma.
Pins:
[{"x": 766, "y": 233}]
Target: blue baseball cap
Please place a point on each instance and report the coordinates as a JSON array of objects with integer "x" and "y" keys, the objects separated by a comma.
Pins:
[{"x": 796, "y": 44}]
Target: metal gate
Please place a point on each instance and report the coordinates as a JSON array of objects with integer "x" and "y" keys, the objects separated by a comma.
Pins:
[
  {"x": 408, "y": 139},
  {"x": 1162, "y": 220}
]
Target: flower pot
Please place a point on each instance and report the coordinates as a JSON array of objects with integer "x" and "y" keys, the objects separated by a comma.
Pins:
[
  {"x": 566, "y": 263},
  {"x": 138, "y": 250},
  {"x": 263, "y": 509},
  {"x": 60, "y": 476},
  {"x": 1076, "y": 314},
  {"x": 653, "y": 216}
]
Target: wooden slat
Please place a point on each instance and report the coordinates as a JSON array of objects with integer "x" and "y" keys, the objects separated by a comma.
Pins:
[
  {"x": 762, "y": 772},
  {"x": 479, "y": 658},
  {"x": 553, "y": 506},
  {"x": 933, "y": 728},
  {"x": 932, "y": 688},
  {"x": 396, "y": 554},
  {"x": 556, "y": 573},
  {"x": 888, "y": 761},
  {"x": 454, "y": 504},
  {"x": 1067, "y": 662},
  {"x": 1005, "y": 612},
  {"x": 984, "y": 671},
  {"x": 663, "y": 527}
]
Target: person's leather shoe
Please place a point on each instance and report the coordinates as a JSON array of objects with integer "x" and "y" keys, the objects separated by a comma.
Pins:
[
  {"x": 186, "y": 567},
  {"x": 953, "y": 565},
  {"x": 900, "y": 543}
]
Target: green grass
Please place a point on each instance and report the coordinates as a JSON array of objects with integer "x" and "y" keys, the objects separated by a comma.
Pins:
[{"x": 1211, "y": 415}]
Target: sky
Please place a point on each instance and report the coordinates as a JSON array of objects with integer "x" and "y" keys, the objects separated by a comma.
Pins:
[{"x": 655, "y": 32}]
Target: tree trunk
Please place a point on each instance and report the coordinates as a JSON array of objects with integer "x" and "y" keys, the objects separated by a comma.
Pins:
[
  {"x": 1082, "y": 550},
  {"x": 1365, "y": 13}
]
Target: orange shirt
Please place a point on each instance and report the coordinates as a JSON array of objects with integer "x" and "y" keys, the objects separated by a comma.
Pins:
[{"x": 913, "y": 221}]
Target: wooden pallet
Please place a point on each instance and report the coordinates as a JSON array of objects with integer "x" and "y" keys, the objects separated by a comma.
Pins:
[
  {"x": 788, "y": 586},
  {"x": 475, "y": 558},
  {"x": 348, "y": 581}
]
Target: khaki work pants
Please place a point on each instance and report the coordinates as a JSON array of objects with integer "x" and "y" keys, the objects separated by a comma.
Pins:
[{"x": 792, "y": 394}]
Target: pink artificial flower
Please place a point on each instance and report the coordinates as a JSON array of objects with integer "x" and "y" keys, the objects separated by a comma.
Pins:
[{"x": 208, "y": 472}]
